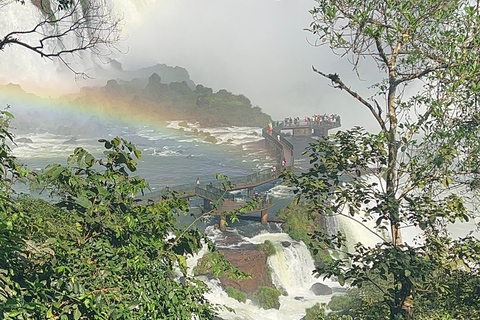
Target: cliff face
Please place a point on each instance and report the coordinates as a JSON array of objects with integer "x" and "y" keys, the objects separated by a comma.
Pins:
[
  {"x": 253, "y": 262},
  {"x": 250, "y": 261}
]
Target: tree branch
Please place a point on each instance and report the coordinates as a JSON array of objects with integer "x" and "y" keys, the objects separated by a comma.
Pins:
[
  {"x": 339, "y": 84},
  {"x": 92, "y": 26}
]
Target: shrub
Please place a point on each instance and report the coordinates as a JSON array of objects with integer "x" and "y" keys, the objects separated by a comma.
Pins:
[
  {"x": 317, "y": 312},
  {"x": 236, "y": 294},
  {"x": 267, "y": 247},
  {"x": 338, "y": 303},
  {"x": 267, "y": 297},
  {"x": 300, "y": 222}
]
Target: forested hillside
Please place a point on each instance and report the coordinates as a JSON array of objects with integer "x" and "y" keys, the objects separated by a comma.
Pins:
[{"x": 175, "y": 101}]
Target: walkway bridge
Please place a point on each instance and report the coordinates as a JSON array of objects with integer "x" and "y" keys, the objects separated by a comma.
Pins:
[
  {"x": 276, "y": 136},
  {"x": 217, "y": 193}
]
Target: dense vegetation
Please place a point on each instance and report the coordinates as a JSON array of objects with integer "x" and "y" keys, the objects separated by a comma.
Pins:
[
  {"x": 419, "y": 170},
  {"x": 97, "y": 253},
  {"x": 301, "y": 221},
  {"x": 175, "y": 101},
  {"x": 267, "y": 297}
]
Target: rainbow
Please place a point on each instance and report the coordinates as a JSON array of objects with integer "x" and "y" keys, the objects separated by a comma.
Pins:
[{"x": 119, "y": 109}]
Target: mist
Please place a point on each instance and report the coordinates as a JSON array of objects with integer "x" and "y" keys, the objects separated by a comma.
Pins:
[{"x": 258, "y": 48}]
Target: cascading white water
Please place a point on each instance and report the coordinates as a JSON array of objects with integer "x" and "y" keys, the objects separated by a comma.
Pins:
[
  {"x": 291, "y": 271},
  {"x": 357, "y": 228},
  {"x": 292, "y": 266},
  {"x": 362, "y": 232}
]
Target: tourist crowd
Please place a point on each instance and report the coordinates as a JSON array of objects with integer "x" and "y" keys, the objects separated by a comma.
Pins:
[{"x": 316, "y": 119}]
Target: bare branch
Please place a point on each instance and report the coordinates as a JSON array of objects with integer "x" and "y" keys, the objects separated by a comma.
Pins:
[
  {"x": 84, "y": 26},
  {"x": 339, "y": 84}
]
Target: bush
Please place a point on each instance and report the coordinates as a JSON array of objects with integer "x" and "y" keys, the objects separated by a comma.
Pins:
[
  {"x": 317, "y": 312},
  {"x": 300, "y": 223},
  {"x": 338, "y": 303},
  {"x": 97, "y": 252},
  {"x": 267, "y": 247},
  {"x": 214, "y": 263},
  {"x": 267, "y": 297},
  {"x": 236, "y": 294}
]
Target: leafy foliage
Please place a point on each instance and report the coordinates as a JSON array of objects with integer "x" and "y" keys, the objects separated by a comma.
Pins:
[
  {"x": 421, "y": 168},
  {"x": 267, "y": 247},
  {"x": 98, "y": 253},
  {"x": 216, "y": 264},
  {"x": 178, "y": 101},
  {"x": 301, "y": 221},
  {"x": 236, "y": 294},
  {"x": 267, "y": 297}
]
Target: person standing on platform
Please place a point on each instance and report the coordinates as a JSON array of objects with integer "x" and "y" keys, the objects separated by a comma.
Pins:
[{"x": 198, "y": 182}]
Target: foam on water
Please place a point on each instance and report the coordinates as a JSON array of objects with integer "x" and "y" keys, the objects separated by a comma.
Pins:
[
  {"x": 238, "y": 136},
  {"x": 47, "y": 145},
  {"x": 292, "y": 269},
  {"x": 282, "y": 192}
]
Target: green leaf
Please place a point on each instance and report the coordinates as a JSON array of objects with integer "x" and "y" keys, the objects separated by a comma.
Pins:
[
  {"x": 138, "y": 154},
  {"x": 76, "y": 313},
  {"x": 83, "y": 202}
]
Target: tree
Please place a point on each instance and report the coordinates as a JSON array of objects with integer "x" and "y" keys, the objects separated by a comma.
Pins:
[
  {"x": 97, "y": 251},
  {"x": 65, "y": 29},
  {"x": 98, "y": 254},
  {"x": 421, "y": 168}
]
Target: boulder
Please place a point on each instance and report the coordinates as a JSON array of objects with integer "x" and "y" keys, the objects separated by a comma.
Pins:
[
  {"x": 253, "y": 262},
  {"x": 286, "y": 244},
  {"x": 24, "y": 140},
  {"x": 319, "y": 289}
]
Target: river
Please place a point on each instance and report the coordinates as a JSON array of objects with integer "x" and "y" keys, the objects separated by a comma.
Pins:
[{"x": 173, "y": 154}]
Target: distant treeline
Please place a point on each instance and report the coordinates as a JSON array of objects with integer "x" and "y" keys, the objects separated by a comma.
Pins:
[{"x": 175, "y": 101}]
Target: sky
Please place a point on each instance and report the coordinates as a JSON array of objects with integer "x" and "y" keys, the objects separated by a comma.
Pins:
[{"x": 258, "y": 48}]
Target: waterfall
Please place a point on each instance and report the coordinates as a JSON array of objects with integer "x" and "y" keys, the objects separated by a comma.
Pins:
[
  {"x": 292, "y": 267},
  {"x": 291, "y": 272},
  {"x": 362, "y": 232},
  {"x": 27, "y": 68}
]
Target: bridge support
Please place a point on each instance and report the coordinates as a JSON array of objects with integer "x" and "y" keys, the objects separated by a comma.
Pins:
[
  {"x": 320, "y": 132},
  {"x": 207, "y": 206},
  {"x": 250, "y": 192},
  {"x": 264, "y": 216}
]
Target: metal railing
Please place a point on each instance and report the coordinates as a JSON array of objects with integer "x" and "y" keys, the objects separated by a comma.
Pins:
[
  {"x": 214, "y": 194},
  {"x": 280, "y": 143},
  {"x": 215, "y": 190}
]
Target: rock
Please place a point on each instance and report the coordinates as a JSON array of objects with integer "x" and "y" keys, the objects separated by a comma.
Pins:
[
  {"x": 253, "y": 262},
  {"x": 211, "y": 139},
  {"x": 286, "y": 244},
  {"x": 24, "y": 140},
  {"x": 320, "y": 289}
]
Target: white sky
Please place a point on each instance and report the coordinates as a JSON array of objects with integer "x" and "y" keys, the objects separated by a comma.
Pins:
[{"x": 258, "y": 48}]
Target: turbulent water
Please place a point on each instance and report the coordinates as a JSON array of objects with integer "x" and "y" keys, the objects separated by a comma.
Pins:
[{"x": 174, "y": 155}]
